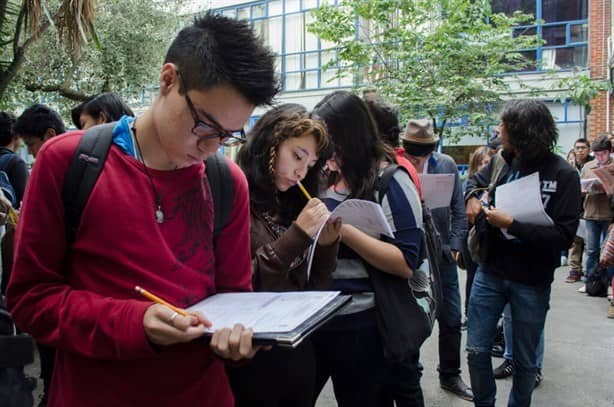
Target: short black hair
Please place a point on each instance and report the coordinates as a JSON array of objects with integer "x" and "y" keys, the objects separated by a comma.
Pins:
[
  {"x": 36, "y": 120},
  {"x": 216, "y": 50},
  {"x": 7, "y": 122},
  {"x": 602, "y": 143},
  {"x": 110, "y": 104},
  {"x": 582, "y": 140},
  {"x": 530, "y": 129},
  {"x": 386, "y": 118}
]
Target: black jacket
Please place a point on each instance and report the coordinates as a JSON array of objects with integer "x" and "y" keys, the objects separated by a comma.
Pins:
[
  {"x": 17, "y": 172},
  {"x": 532, "y": 258}
]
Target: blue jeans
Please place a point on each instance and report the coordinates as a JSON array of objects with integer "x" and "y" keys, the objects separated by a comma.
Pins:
[
  {"x": 529, "y": 305},
  {"x": 508, "y": 332},
  {"x": 449, "y": 319},
  {"x": 596, "y": 231}
]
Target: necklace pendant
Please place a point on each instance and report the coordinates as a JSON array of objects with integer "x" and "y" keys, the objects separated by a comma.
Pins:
[{"x": 159, "y": 215}]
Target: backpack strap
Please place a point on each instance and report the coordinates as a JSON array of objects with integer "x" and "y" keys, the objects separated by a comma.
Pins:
[
  {"x": 222, "y": 189},
  {"x": 383, "y": 183},
  {"x": 83, "y": 172}
]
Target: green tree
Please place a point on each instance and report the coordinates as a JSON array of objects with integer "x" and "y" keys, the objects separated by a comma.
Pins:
[
  {"x": 439, "y": 59},
  {"x": 22, "y": 23}
]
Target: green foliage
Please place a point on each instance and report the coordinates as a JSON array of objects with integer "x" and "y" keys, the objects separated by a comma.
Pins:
[
  {"x": 438, "y": 59},
  {"x": 125, "y": 54},
  {"x": 580, "y": 89}
]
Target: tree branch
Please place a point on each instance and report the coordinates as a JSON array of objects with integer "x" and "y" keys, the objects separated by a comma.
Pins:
[{"x": 61, "y": 89}]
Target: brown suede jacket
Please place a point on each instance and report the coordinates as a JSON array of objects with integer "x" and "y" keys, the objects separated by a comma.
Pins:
[{"x": 280, "y": 264}]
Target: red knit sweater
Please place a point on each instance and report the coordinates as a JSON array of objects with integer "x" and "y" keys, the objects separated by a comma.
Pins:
[{"x": 85, "y": 304}]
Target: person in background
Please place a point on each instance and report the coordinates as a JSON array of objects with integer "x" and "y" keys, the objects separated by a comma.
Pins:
[
  {"x": 387, "y": 119},
  {"x": 349, "y": 348},
  {"x": 149, "y": 221},
  {"x": 13, "y": 165},
  {"x": 581, "y": 152},
  {"x": 598, "y": 212},
  {"x": 37, "y": 124},
  {"x": 102, "y": 108},
  {"x": 478, "y": 159},
  {"x": 518, "y": 271},
  {"x": 287, "y": 145},
  {"x": 419, "y": 143}
]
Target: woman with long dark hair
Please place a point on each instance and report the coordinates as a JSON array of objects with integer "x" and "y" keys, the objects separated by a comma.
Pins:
[{"x": 349, "y": 349}]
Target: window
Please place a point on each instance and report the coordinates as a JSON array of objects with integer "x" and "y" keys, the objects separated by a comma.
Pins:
[
  {"x": 564, "y": 29},
  {"x": 282, "y": 25}
]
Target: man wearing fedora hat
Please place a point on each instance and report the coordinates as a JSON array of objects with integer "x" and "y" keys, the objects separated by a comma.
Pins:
[{"x": 419, "y": 143}]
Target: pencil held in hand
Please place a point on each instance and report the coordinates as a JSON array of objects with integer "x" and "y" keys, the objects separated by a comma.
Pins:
[
  {"x": 303, "y": 190},
  {"x": 159, "y": 300}
]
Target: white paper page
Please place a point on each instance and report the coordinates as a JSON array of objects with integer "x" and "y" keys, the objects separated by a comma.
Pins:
[
  {"x": 606, "y": 176},
  {"x": 437, "y": 189},
  {"x": 365, "y": 215},
  {"x": 263, "y": 311},
  {"x": 522, "y": 200}
]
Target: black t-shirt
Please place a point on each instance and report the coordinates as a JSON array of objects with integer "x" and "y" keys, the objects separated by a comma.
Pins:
[{"x": 18, "y": 174}]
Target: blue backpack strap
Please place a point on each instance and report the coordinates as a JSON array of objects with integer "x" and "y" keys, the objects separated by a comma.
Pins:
[
  {"x": 82, "y": 174},
  {"x": 222, "y": 189}
]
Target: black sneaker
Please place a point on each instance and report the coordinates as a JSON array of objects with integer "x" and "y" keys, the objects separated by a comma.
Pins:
[
  {"x": 497, "y": 350},
  {"x": 538, "y": 378},
  {"x": 505, "y": 369}
]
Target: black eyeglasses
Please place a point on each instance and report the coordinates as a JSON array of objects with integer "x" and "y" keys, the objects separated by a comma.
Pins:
[{"x": 203, "y": 130}]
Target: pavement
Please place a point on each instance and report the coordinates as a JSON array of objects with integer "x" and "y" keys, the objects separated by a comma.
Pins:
[{"x": 578, "y": 362}]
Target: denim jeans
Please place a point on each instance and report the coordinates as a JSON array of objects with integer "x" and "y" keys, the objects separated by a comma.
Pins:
[
  {"x": 508, "y": 332},
  {"x": 596, "y": 231},
  {"x": 449, "y": 320},
  {"x": 529, "y": 305}
]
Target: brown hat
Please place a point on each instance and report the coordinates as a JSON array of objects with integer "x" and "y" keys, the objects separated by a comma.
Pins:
[{"x": 420, "y": 131}]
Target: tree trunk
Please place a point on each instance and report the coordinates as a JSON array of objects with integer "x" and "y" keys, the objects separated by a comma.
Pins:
[{"x": 7, "y": 76}]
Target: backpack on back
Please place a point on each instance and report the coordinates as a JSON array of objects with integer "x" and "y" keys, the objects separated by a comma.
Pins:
[
  {"x": 5, "y": 183},
  {"x": 88, "y": 162}
]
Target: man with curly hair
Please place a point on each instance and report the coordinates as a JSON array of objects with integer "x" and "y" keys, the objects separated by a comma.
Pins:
[{"x": 520, "y": 270}]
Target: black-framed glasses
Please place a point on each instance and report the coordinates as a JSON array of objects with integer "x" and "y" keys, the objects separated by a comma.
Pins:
[{"x": 203, "y": 130}]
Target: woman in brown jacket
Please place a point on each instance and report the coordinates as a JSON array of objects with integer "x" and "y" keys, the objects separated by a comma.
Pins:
[{"x": 287, "y": 145}]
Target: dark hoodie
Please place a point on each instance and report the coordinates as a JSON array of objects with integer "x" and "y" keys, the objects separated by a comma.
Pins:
[{"x": 532, "y": 258}]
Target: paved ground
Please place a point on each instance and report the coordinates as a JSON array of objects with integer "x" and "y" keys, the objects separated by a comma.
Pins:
[{"x": 578, "y": 361}]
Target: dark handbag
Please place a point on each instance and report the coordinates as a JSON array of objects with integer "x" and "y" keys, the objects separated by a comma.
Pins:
[
  {"x": 477, "y": 239},
  {"x": 407, "y": 308},
  {"x": 597, "y": 282}
]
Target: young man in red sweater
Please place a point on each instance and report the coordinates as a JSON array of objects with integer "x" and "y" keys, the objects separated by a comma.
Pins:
[{"x": 148, "y": 222}]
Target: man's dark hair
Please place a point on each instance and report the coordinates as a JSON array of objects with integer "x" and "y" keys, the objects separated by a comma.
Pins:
[
  {"x": 530, "y": 129},
  {"x": 386, "y": 118},
  {"x": 602, "y": 143},
  {"x": 216, "y": 50},
  {"x": 7, "y": 121},
  {"x": 36, "y": 120},
  {"x": 109, "y": 104},
  {"x": 582, "y": 140}
]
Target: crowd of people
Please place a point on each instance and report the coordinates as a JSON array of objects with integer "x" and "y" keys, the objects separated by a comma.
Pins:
[{"x": 149, "y": 221}]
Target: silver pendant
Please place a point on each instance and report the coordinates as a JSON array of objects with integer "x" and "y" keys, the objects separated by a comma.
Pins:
[{"x": 159, "y": 215}]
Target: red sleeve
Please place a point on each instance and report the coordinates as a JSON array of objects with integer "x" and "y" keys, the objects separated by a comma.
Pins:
[
  {"x": 233, "y": 268},
  {"x": 39, "y": 294}
]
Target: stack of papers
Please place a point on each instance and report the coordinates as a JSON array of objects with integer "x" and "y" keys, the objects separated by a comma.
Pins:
[{"x": 283, "y": 318}]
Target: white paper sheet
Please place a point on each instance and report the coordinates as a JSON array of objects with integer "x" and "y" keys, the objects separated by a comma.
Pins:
[
  {"x": 606, "y": 176},
  {"x": 263, "y": 311},
  {"x": 591, "y": 185},
  {"x": 522, "y": 200},
  {"x": 365, "y": 215},
  {"x": 437, "y": 189}
]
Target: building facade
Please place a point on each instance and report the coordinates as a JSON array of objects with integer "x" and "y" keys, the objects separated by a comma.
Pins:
[{"x": 577, "y": 38}]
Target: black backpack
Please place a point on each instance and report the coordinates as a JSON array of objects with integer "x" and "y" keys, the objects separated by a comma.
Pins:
[
  {"x": 88, "y": 161},
  {"x": 407, "y": 310}
]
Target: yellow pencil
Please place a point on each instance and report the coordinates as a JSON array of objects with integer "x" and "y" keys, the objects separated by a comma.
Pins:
[
  {"x": 159, "y": 300},
  {"x": 303, "y": 190}
]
